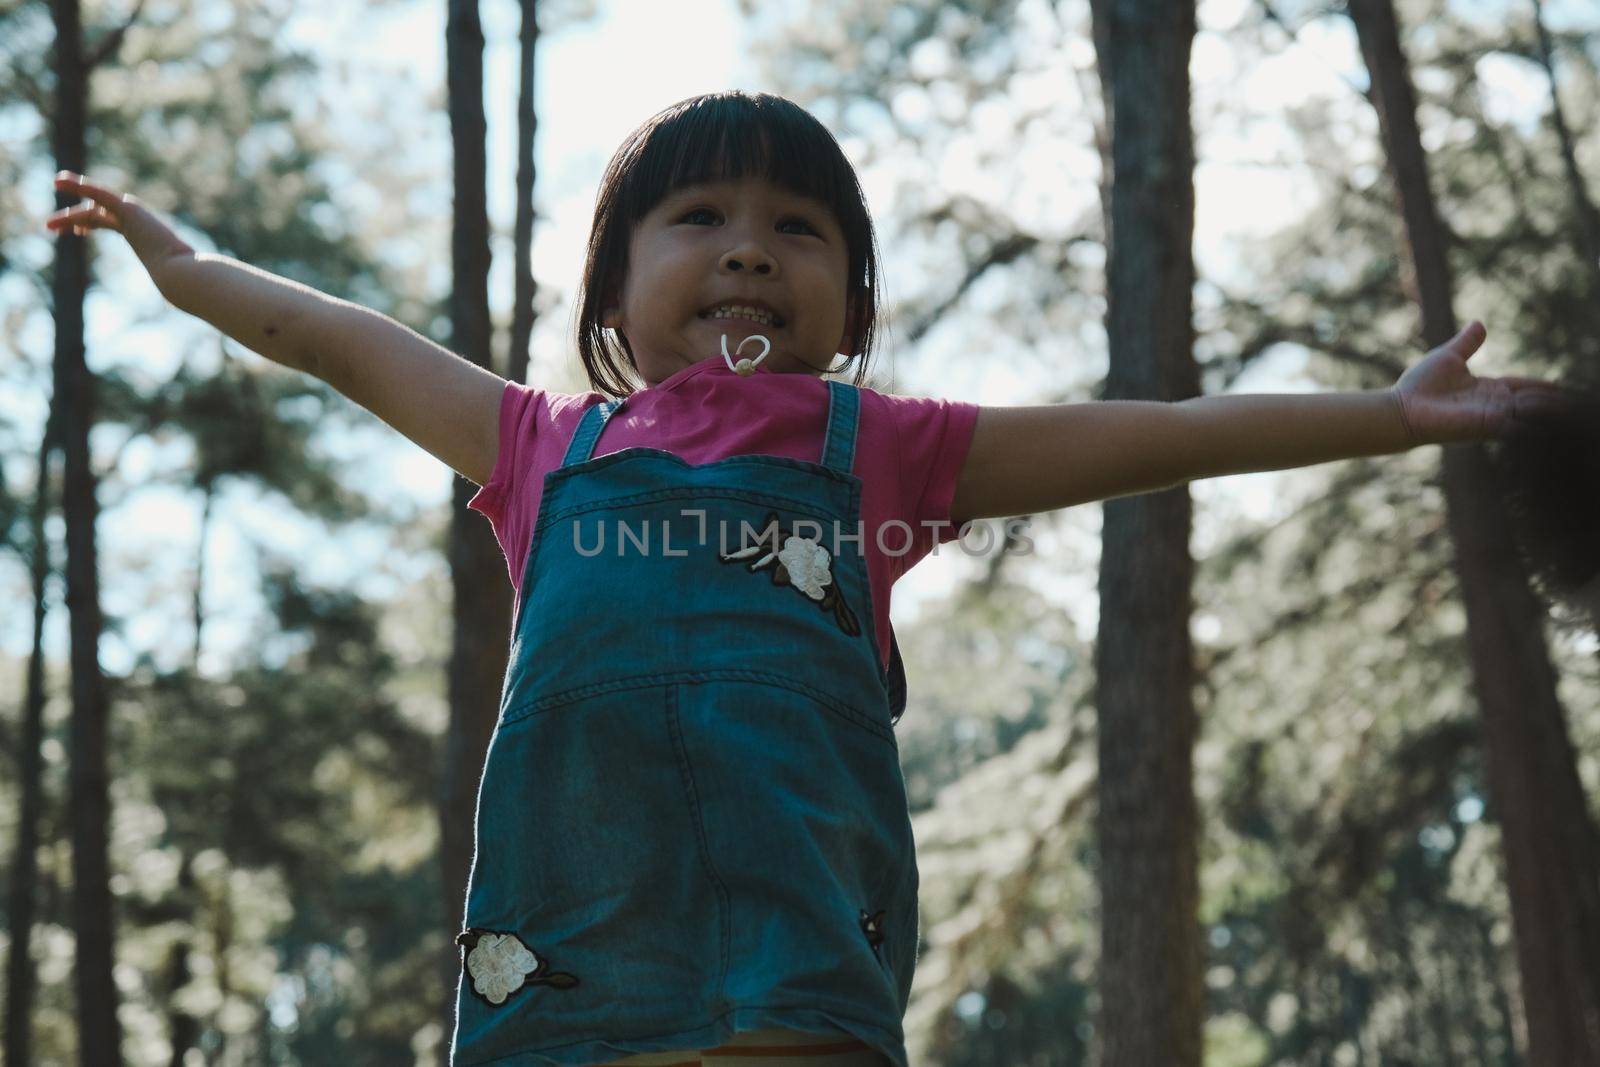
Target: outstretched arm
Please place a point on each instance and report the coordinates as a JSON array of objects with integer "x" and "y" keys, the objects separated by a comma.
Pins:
[
  {"x": 446, "y": 404},
  {"x": 1024, "y": 460}
]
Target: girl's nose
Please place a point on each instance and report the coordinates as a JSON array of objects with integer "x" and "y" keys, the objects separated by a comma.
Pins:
[{"x": 751, "y": 257}]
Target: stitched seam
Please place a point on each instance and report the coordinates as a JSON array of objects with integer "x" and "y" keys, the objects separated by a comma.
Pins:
[
  {"x": 827, "y": 434},
  {"x": 734, "y": 674},
  {"x": 832, "y": 444},
  {"x": 721, "y": 492},
  {"x": 725, "y": 925},
  {"x": 836, "y": 419}
]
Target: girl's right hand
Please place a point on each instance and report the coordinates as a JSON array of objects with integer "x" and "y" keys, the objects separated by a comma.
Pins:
[{"x": 105, "y": 209}]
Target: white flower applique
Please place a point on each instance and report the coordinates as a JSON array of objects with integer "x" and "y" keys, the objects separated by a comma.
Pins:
[
  {"x": 801, "y": 562},
  {"x": 500, "y": 964}
]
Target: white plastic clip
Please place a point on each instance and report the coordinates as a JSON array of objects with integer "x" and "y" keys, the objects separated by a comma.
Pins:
[{"x": 745, "y": 367}]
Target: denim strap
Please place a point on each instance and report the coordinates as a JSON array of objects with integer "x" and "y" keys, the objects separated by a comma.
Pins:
[
  {"x": 844, "y": 403},
  {"x": 588, "y": 432}
]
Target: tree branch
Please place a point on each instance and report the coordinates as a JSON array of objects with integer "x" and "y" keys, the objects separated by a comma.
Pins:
[{"x": 112, "y": 40}]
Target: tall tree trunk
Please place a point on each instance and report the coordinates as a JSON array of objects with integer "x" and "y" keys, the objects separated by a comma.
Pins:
[
  {"x": 1552, "y": 863},
  {"x": 183, "y": 1029},
  {"x": 1583, "y": 208},
  {"x": 99, "y": 1035},
  {"x": 482, "y": 608},
  {"x": 22, "y": 901},
  {"x": 208, "y": 493},
  {"x": 1147, "y": 824},
  {"x": 222, "y": 942},
  {"x": 522, "y": 315}
]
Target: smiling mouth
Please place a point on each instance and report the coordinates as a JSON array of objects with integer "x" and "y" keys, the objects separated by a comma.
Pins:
[{"x": 768, "y": 321}]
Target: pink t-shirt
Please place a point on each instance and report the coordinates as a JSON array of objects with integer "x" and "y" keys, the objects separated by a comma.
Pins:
[{"x": 909, "y": 452}]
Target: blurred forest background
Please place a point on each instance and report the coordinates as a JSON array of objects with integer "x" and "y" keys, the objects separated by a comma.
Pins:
[{"x": 262, "y": 847}]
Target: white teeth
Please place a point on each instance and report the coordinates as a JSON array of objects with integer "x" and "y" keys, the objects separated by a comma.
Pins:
[{"x": 741, "y": 312}]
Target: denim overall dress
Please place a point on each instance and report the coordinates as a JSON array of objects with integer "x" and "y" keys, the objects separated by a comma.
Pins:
[{"x": 692, "y": 820}]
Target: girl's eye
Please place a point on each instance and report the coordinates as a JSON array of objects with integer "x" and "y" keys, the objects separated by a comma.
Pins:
[{"x": 706, "y": 216}]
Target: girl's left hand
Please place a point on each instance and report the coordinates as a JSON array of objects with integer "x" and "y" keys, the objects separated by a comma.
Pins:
[{"x": 1442, "y": 401}]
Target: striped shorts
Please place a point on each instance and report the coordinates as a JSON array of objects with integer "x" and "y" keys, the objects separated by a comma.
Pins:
[{"x": 768, "y": 1048}]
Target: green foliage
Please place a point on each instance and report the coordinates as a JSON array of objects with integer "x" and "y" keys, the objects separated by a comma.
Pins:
[
  {"x": 1353, "y": 902},
  {"x": 274, "y": 831}
]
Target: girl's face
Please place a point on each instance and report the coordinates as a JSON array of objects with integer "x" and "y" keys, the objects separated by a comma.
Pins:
[{"x": 737, "y": 242}]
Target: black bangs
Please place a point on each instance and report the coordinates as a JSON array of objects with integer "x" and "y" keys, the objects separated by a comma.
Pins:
[{"x": 724, "y": 136}]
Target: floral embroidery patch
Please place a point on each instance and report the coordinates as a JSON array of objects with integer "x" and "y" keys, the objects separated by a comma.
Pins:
[
  {"x": 872, "y": 926},
  {"x": 801, "y": 563},
  {"x": 499, "y": 964}
]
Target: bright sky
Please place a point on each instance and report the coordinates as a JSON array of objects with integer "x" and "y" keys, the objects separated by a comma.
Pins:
[{"x": 595, "y": 84}]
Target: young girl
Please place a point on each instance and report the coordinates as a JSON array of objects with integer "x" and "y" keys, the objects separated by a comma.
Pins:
[{"x": 692, "y": 835}]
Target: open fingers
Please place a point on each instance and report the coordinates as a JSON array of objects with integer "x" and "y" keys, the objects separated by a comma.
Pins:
[
  {"x": 82, "y": 214},
  {"x": 100, "y": 209},
  {"x": 68, "y": 182},
  {"x": 82, "y": 219}
]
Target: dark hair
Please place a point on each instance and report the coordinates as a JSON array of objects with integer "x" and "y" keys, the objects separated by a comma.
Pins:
[{"x": 716, "y": 137}]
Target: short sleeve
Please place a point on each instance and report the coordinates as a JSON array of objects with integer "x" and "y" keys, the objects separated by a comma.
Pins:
[
  {"x": 934, "y": 437},
  {"x": 500, "y": 499}
]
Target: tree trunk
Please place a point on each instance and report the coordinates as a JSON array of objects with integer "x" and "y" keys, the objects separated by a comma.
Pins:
[
  {"x": 208, "y": 493},
  {"x": 1583, "y": 208},
  {"x": 222, "y": 941},
  {"x": 183, "y": 1029},
  {"x": 1147, "y": 824},
  {"x": 482, "y": 607},
  {"x": 1552, "y": 864},
  {"x": 522, "y": 315},
  {"x": 22, "y": 902},
  {"x": 99, "y": 1036}
]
